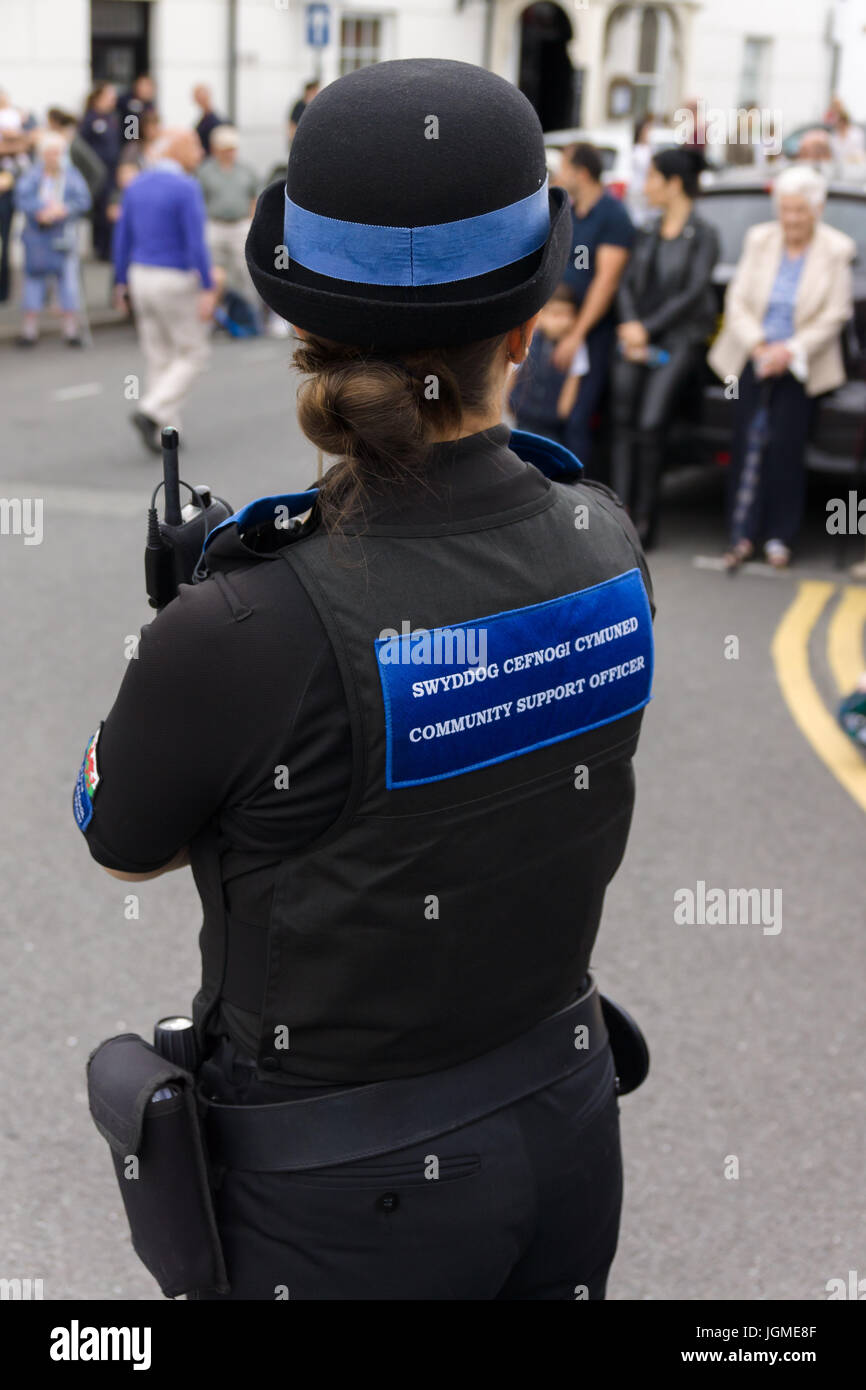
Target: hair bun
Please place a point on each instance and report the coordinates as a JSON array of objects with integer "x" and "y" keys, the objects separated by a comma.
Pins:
[{"x": 378, "y": 415}]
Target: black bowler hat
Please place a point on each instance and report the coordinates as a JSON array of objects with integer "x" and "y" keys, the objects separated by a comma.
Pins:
[{"x": 416, "y": 211}]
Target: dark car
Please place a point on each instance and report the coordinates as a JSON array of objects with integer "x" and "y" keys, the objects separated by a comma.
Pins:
[{"x": 838, "y": 439}]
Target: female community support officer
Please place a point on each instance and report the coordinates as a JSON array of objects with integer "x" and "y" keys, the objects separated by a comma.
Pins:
[{"x": 397, "y": 750}]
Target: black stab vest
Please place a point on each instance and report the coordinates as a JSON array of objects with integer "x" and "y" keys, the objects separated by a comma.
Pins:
[{"x": 435, "y": 921}]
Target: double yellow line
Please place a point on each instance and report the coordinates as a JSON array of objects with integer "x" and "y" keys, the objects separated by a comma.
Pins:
[{"x": 790, "y": 652}]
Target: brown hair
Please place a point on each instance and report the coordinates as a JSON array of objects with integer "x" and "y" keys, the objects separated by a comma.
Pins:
[
  {"x": 94, "y": 94},
  {"x": 379, "y": 415},
  {"x": 148, "y": 124},
  {"x": 55, "y": 115}
]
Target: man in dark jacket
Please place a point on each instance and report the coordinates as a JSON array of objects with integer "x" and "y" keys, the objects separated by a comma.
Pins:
[{"x": 205, "y": 128}]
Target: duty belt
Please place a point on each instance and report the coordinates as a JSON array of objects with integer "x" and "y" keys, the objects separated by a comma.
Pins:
[{"x": 344, "y": 1126}]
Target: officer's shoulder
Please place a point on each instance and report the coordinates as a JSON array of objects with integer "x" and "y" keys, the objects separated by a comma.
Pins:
[
  {"x": 598, "y": 489},
  {"x": 600, "y": 498},
  {"x": 609, "y": 525},
  {"x": 241, "y": 581}
]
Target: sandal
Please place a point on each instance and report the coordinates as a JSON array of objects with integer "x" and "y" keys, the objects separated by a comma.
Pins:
[
  {"x": 778, "y": 555},
  {"x": 737, "y": 555}
]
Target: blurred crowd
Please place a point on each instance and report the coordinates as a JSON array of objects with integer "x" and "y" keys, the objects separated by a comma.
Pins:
[
  {"x": 66, "y": 169},
  {"x": 169, "y": 209},
  {"x": 626, "y": 334},
  {"x": 635, "y": 321}
]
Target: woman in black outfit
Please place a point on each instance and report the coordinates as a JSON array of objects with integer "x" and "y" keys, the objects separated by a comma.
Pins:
[
  {"x": 100, "y": 129},
  {"x": 665, "y": 302}
]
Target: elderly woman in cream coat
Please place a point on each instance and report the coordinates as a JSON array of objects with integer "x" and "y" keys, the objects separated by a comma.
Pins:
[{"x": 785, "y": 308}]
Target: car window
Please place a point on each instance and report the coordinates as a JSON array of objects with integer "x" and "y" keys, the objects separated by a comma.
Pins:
[
  {"x": 732, "y": 214},
  {"x": 849, "y": 215}
]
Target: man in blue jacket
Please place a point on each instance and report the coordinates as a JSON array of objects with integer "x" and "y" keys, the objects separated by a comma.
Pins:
[{"x": 161, "y": 263}]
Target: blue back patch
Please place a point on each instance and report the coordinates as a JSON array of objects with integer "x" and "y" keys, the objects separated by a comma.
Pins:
[{"x": 463, "y": 697}]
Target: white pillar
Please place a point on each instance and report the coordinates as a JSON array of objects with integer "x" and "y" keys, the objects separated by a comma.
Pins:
[{"x": 587, "y": 52}]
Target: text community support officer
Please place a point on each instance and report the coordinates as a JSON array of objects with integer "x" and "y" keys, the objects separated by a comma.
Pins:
[{"x": 407, "y": 1077}]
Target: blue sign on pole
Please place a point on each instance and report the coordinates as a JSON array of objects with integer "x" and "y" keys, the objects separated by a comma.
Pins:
[{"x": 318, "y": 24}]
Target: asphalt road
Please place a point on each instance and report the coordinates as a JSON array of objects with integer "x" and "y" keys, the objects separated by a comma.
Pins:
[{"x": 757, "y": 1036}]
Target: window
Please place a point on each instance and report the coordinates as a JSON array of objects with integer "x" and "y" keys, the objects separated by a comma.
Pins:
[
  {"x": 755, "y": 72},
  {"x": 360, "y": 42}
]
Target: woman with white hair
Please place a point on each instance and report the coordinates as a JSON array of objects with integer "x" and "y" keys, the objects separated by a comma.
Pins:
[
  {"x": 52, "y": 195},
  {"x": 785, "y": 308}
]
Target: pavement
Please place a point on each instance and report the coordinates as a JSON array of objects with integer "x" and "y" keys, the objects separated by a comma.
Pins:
[{"x": 744, "y": 1149}]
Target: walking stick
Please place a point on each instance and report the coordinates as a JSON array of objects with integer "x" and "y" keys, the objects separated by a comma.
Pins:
[{"x": 86, "y": 336}]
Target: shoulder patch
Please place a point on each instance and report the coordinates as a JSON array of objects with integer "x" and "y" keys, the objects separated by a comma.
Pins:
[
  {"x": 460, "y": 698},
  {"x": 86, "y": 784}
]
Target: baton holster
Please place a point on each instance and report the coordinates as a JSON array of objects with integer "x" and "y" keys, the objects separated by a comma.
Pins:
[
  {"x": 628, "y": 1045},
  {"x": 158, "y": 1150}
]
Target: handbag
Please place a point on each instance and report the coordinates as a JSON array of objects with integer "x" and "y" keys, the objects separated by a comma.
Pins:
[
  {"x": 46, "y": 249},
  {"x": 43, "y": 255}
]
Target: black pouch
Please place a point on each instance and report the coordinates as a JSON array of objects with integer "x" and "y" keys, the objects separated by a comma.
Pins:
[
  {"x": 628, "y": 1045},
  {"x": 159, "y": 1156}
]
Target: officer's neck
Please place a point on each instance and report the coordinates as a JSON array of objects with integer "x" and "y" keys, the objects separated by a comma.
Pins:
[{"x": 473, "y": 422}]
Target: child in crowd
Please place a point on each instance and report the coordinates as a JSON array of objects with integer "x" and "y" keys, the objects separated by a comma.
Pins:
[{"x": 541, "y": 396}]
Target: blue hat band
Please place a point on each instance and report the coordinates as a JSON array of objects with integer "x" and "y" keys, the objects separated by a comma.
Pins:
[{"x": 431, "y": 255}]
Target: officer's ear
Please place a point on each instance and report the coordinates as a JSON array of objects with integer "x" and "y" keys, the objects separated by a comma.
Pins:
[
  {"x": 301, "y": 332},
  {"x": 518, "y": 340}
]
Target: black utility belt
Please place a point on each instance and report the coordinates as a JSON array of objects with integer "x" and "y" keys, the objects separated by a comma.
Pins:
[
  {"x": 362, "y": 1121},
  {"x": 165, "y": 1134}
]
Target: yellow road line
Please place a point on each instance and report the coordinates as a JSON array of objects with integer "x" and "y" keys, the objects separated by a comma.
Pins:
[
  {"x": 790, "y": 651},
  {"x": 845, "y": 639}
]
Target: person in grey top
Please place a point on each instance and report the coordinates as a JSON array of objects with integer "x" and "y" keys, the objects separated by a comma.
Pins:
[{"x": 230, "y": 190}]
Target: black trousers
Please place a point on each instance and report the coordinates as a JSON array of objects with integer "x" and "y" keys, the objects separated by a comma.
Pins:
[
  {"x": 644, "y": 400},
  {"x": 7, "y": 209},
  {"x": 523, "y": 1204},
  {"x": 776, "y": 508},
  {"x": 578, "y": 435},
  {"x": 103, "y": 227}
]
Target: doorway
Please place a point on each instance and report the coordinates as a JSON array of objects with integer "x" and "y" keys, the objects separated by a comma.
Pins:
[
  {"x": 545, "y": 73},
  {"x": 119, "y": 40}
]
